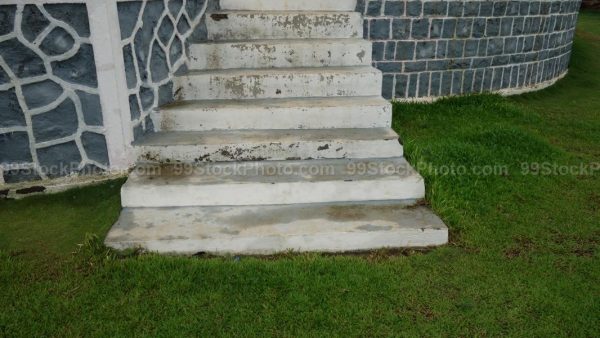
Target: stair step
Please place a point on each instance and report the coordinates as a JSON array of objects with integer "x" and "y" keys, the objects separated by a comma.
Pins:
[
  {"x": 274, "y": 229},
  {"x": 271, "y": 182},
  {"x": 293, "y": 113},
  {"x": 275, "y": 144},
  {"x": 280, "y": 54},
  {"x": 289, "y": 5},
  {"x": 278, "y": 83},
  {"x": 256, "y": 25}
]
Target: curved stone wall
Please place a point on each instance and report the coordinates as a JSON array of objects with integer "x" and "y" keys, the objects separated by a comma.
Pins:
[{"x": 429, "y": 49}]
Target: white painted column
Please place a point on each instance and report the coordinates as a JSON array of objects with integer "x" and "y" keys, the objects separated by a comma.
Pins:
[{"x": 112, "y": 84}]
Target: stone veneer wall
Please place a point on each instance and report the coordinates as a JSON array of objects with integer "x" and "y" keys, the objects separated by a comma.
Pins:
[
  {"x": 50, "y": 111},
  {"x": 437, "y": 48},
  {"x": 155, "y": 35}
]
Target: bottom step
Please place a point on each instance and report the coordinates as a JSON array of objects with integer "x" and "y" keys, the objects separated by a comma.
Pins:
[{"x": 279, "y": 228}]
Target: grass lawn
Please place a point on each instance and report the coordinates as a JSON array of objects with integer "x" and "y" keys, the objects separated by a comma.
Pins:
[{"x": 523, "y": 258}]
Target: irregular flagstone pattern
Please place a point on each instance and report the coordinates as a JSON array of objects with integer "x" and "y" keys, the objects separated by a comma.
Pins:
[
  {"x": 50, "y": 112},
  {"x": 439, "y": 48},
  {"x": 154, "y": 36}
]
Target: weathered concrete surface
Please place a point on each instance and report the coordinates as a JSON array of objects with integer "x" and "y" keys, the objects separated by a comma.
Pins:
[
  {"x": 294, "y": 113},
  {"x": 281, "y": 144},
  {"x": 273, "y": 229},
  {"x": 272, "y": 182},
  {"x": 278, "y": 83},
  {"x": 249, "y": 25},
  {"x": 288, "y": 5},
  {"x": 280, "y": 54}
]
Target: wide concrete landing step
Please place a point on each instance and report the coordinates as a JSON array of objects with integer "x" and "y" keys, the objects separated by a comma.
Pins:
[
  {"x": 271, "y": 182},
  {"x": 289, "y": 5},
  {"x": 263, "y": 83},
  {"x": 256, "y": 25},
  {"x": 280, "y": 54},
  {"x": 270, "y": 144},
  {"x": 292, "y": 113},
  {"x": 278, "y": 228}
]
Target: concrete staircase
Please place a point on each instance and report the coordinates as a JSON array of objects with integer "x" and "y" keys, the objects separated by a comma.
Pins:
[{"x": 279, "y": 140}]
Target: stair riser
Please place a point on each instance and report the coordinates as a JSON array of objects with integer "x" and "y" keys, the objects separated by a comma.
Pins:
[
  {"x": 281, "y": 55},
  {"x": 276, "y": 85},
  {"x": 274, "y": 118},
  {"x": 301, "y": 150},
  {"x": 268, "y": 194},
  {"x": 289, "y": 5},
  {"x": 260, "y": 25}
]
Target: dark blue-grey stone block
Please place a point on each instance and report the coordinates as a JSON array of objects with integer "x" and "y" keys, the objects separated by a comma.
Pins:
[
  {"x": 513, "y": 8},
  {"x": 492, "y": 27},
  {"x": 412, "y": 85},
  {"x": 183, "y": 25},
  {"x": 401, "y": 86},
  {"x": 500, "y": 60},
  {"x": 534, "y": 8},
  {"x": 379, "y": 29},
  {"x": 487, "y": 80},
  {"x": 374, "y": 8},
  {"x": 79, "y": 69},
  {"x": 91, "y": 108},
  {"x": 425, "y": 49},
  {"x": 128, "y": 16},
  {"x": 446, "y": 84},
  {"x": 39, "y": 94},
  {"x": 401, "y": 29},
  {"x": 146, "y": 98},
  {"x": 405, "y": 50},
  {"x": 517, "y": 26},
  {"x": 471, "y": 8},
  {"x": 434, "y": 86},
  {"x": 14, "y": 148},
  {"x": 420, "y": 28},
  {"x": 436, "y": 8},
  {"x": 478, "y": 81},
  {"x": 390, "y": 67},
  {"x": 165, "y": 93},
  {"x": 449, "y": 28},
  {"x": 463, "y": 28},
  {"x": 417, "y": 66},
  {"x": 390, "y": 50},
  {"x": 482, "y": 49},
  {"x": 486, "y": 8},
  {"x": 200, "y": 32},
  {"x": 20, "y": 175},
  {"x": 506, "y": 26},
  {"x": 59, "y": 160},
  {"x": 165, "y": 31},
  {"x": 478, "y": 30},
  {"x": 506, "y": 78},
  {"x": 33, "y": 22},
  {"x": 138, "y": 131},
  {"x": 442, "y": 49},
  {"x": 176, "y": 51},
  {"x": 4, "y": 78},
  {"x": 193, "y": 8},
  {"x": 394, "y": 8},
  {"x": 455, "y": 48},
  {"x": 436, "y": 27},
  {"x": 495, "y": 46},
  {"x": 11, "y": 114},
  {"x": 471, "y": 46},
  {"x": 423, "y": 85},
  {"x": 95, "y": 147},
  {"x": 438, "y": 64},
  {"x": 455, "y": 8},
  {"x": 459, "y": 64},
  {"x": 497, "y": 79},
  {"x": 378, "y": 50},
  {"x": 360, "y": 6},
  {"x": 159, "y": 68},
  {"x": 130, "y": 73},
  {"x": 500, "y": 8},
  {"x": 75, "y": 15},
  {"x": 22, "y": 61},
  {"x": 56, "y": 123},
  {"x": 148, "y": 125},
  {"x": 175, "y": 6},
  {"x": 58, "y": 42},
  {"x": 388, "y": 86},
  {"x": 7, "y": 18},
  {"x": 134, "y": 107},
  {"x": 467, "y": 85},
  {"x": 481, "y": 62},
  {"x": 414, "y": 8},
  {"x": 510, "y": 45},
  {"x": 457, "y": 80}
]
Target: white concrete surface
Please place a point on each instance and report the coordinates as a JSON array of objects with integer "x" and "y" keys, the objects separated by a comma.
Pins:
[
  {"x": 278, "y": 83},
  {"x": 274, "y": 145},
  {"x": 277, "y": 228},
  {"x": 251, "y": 25},
  {"x": 294, "y": 113},
  {"x": 280, "y": 53},
  {"x": 272, "y": 182},
  {"x": 289, "y": 5}
]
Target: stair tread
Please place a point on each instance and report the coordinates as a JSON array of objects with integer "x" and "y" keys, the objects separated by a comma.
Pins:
[
  {"x": 272, "y": 172},
  {"x": 276, "y": 228},
  {"x": 309, "y": 102},
  {"x": 279, "y": 71},
  {"x": 285, "y": 41},
  {"x": 169, "y": 138}
]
